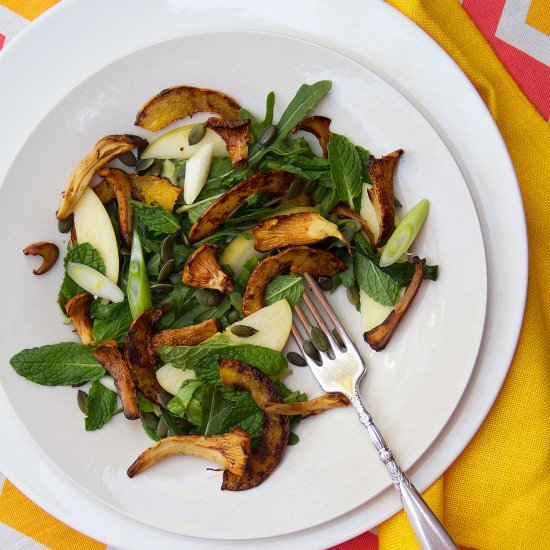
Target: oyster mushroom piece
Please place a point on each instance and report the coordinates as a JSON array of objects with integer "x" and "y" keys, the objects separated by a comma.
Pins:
[
  {"x": 275, "y": 183},
  {"x": 379, "y": 337},
  {"x": 108, "y": 354},
  {"x": 142, "y": 343},
  {"x": 236, "y": 134},
  {"x": 293, "y": 229},
  {"x": 311, "y": 407},
  {"x": 78, "y": 309},
  {"x": 230, "y": 450},
  {"x": 296, "y": 260},
  {"x": 344, "y": 211},
  {"x": 201, "y": 270},
  {"x": 49, "y": 253},
  {"x": 103, "y": 152},
  {"x": 270, "y": 447},
  {"x": 120, "y": 182},
  {"x": 181, "y": 101},
  {"x": 319, "y": 126}
]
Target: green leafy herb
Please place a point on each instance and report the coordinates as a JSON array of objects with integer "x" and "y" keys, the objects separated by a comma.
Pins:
[
  {"x": 378, "y": 285},
  {"x": 85, "y": 254},
  {"x": 364, "y": 155},
  {"x": 287, "y": 287},
  {"x": 58, "y": 364},
  {"x": 112, "y": 321},
  {"x": 156, "y": 218},
  {"x": 345, "y": 167},
  {"x": 100, "y": 406},
  {"x": 179, "y": 403}
]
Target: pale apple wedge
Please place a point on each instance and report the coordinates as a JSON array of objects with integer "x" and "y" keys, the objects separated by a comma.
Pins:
[
  {"x": 373, "y": 313},
  {"x": 175, "y": 144},
  {"x": 238, "y": 252},
  {"x": 273, "y": 324},
  {"x": 170, "y": 378},
  {"x": 196, "y": 172},
  {"x": 368, "y": 213},
  {"x": 93, "y": 225}
]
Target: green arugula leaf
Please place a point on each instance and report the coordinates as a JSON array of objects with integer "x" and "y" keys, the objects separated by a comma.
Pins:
[
  {"x": 287, "y": 287},
  {"x": 112, "y": 321},
  {"x": 345, "y": 167},
  {"x": 156, "y": 218},
  {"x": 100, "y": 406},
  {"x": 378, "y": 285},
  {"x": 86, "y": 254},
  {"x": 62, "y": 364}
]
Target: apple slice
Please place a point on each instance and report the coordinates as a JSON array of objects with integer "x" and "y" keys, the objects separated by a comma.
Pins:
[
  {"x": 368, "y": 213},
  {"x": 238, "y": 252},
  {"x": 93, "y": 225},
  {"x": 170, "y": 378},
  {"x": 196, "y": 172},
  {"x": 373, "y": 313},
  {"x": 175, "y": 144},
  {"x": 273, "y": 324}
]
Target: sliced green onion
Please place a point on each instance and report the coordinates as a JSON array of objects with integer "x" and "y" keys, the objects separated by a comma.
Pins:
[
  {"x": 94, "y": 282},
  {"x": 405, "y": 233},
  {"x": 139, "y": 293}
]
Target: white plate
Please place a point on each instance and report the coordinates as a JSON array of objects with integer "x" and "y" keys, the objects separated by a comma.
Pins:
[{"x": 166, "y": 21}]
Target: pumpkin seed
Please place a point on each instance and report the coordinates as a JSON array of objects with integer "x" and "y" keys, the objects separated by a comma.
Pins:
[
  {"x": 162, "y": 288},
  {"x": 232, "y": 317},
  {"x": 295, "y": 188},
  {"x": 125, "y": 251},
  {"x": 325, "y": 283},
  {"x": 175, "y": 278},
  {"x": 180, "y": 172},
  {"x": 338, "y": 338},
  {"x": 272, "y": 202},
  {"x": 268, "y": 136},
  {"x": 353, "y": 294},
  {"x": 396, "y": 203},
  {"x": 144, "y": 165},
  {"x": 81, "y": 398},
  {"x": 293, "y": 439},
  {"x": 319, "y": 339},
  {"x": 333, "y": 218},
  {"x": 196, "y": 134},
  {"x": 166, "y": 305},
  {"x": 156, "y": 168},
  {"x": 243, "y": 331},
  {"x": 149, "y": 420},
  {"x": 348, "y": 232},
  {"x": 163, "y": 398},
  {"x": 310, "y": 187},
  {"x": 166, "y": 270},
  {"x": 162, "y": 429},
  {"x": 311, "y": 350},
  {"x": 128, "y": 159},
  {"x": 209, "y": 297},
  {"x": 296, "y": 359},
  {"x": 65, "y": 226},
  {"x": 184, "y": 238},
  {"x": 167, "y": 248}
]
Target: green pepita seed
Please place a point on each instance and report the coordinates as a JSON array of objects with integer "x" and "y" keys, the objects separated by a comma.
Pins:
[
  {"x": 333, "y": 218},
  {"x": 162, "y": 429},
  {"x": 268, "y": 136},
  {"x": 295, "y": 188},
  {"x": 128, "y": 159},
  {"x": 65, "y": 226},
  {"x": 156, "y": 168},
  {"x": 311, "y": 350},
  {"x": 180, "y": 172},
  {"x": 209, "y": 297},
  {"x": 163, "y": 398},
  {"x": 166, "y": 305},
  {"x": 162, "y": 288},
  {"x": 167, "y": 248},
  {"x": 396, "y": 203},
  {"x": 243, "y": 331},
  {"x": 296, "y": 359},
  {"x": 149, "y": 420},
  {"x": 144, "y": 164},
  {"x": 319, "y": 339},
  {"x": 338, "y": 338},
  {"x": 167, "y": 270},
  {"x": 325, "y": 283},
  {"x": 125, "y": 251},
  {"x": 348, "y": 232},
  {"x": 175, "y": 277},
  {"x": 272, "y": 202},
  {"x": 81, "y": 398},
  {"x": 232, "y": 317},
  {"x": 353, "y": 294},
  {"x": 196, "y": 134},
  {"x": 310, "y": 187},
  {"x": 293, "y": 439},
  {"x": 184, "y": 238}
]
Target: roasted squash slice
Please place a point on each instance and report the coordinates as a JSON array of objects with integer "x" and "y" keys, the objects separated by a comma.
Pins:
[
  {"x": 274, "y": 183},
  {"x": 344, "y": 211},
  {"x": 236, "y": 134},
  {"x": 319, "y": 126},
  {"x": 269, "y": 449},
  {"x": 297, "y": 260},
  {"x": 181, "y": 101},
  {"x": 201, "y": 270}
]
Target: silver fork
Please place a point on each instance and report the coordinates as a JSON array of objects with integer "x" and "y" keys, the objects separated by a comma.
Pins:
[{"x": 339, "y": 370}]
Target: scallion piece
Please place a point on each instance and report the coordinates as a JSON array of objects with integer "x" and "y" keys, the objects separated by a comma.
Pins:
[
  {"x": 94, "y": 282},
  {"x": 405, "y": 233},
  {"x": 139, "y": 293}
]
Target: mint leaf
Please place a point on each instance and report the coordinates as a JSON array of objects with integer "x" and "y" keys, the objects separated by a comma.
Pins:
[
  {"x": 156, "y": 218},
  {"x": 345, "y": 167},
  {"x": 100, "y": 406},
  {"x": 364, "y": 155},
  {"x": 238, "y": 409},
  {"x": 378, "y": 285},
  {"x": 58, "y": 364},
  {"x": 288, "y": 287},
  {"x": 85, "y": 254},
  {"x": 179, "y": 403},
  {"x": 112, "y": 321}
]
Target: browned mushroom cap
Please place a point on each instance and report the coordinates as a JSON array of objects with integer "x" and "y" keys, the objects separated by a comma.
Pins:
[
  {"x": 111, "y": 359},
  {"x": 103, "y": 152},
  {"x": 236, "y": 134},
  {"x": 201, "y": 270},
  {"x": 344, "y": 211},
  {"x": 78, "y": 309},
  {"x": 142, "y": 344},
  {"x": 293, "y": 229},
  {"x": 319, "y": 126},
  {"x": 311, "y": 407},
  {"x": 181, "y": 101},
  {"x": 230, "y": 450},
  {"x": 379, "y": 337},
  {"x": 49, "y": 253},
  {"x": 273, "y": 183},
  {"x": 119, "y": 181},
  {"x": 297, "y": 260},
  {"x": 271, "y": 445},
  {"x": 381, "y": 193}
]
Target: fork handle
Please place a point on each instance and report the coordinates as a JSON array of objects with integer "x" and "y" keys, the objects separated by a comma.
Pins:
[{"x": 429, "y": 531}]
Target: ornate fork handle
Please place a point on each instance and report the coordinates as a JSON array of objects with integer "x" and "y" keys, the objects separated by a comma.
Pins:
[{"x": 430, "y": 533}]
